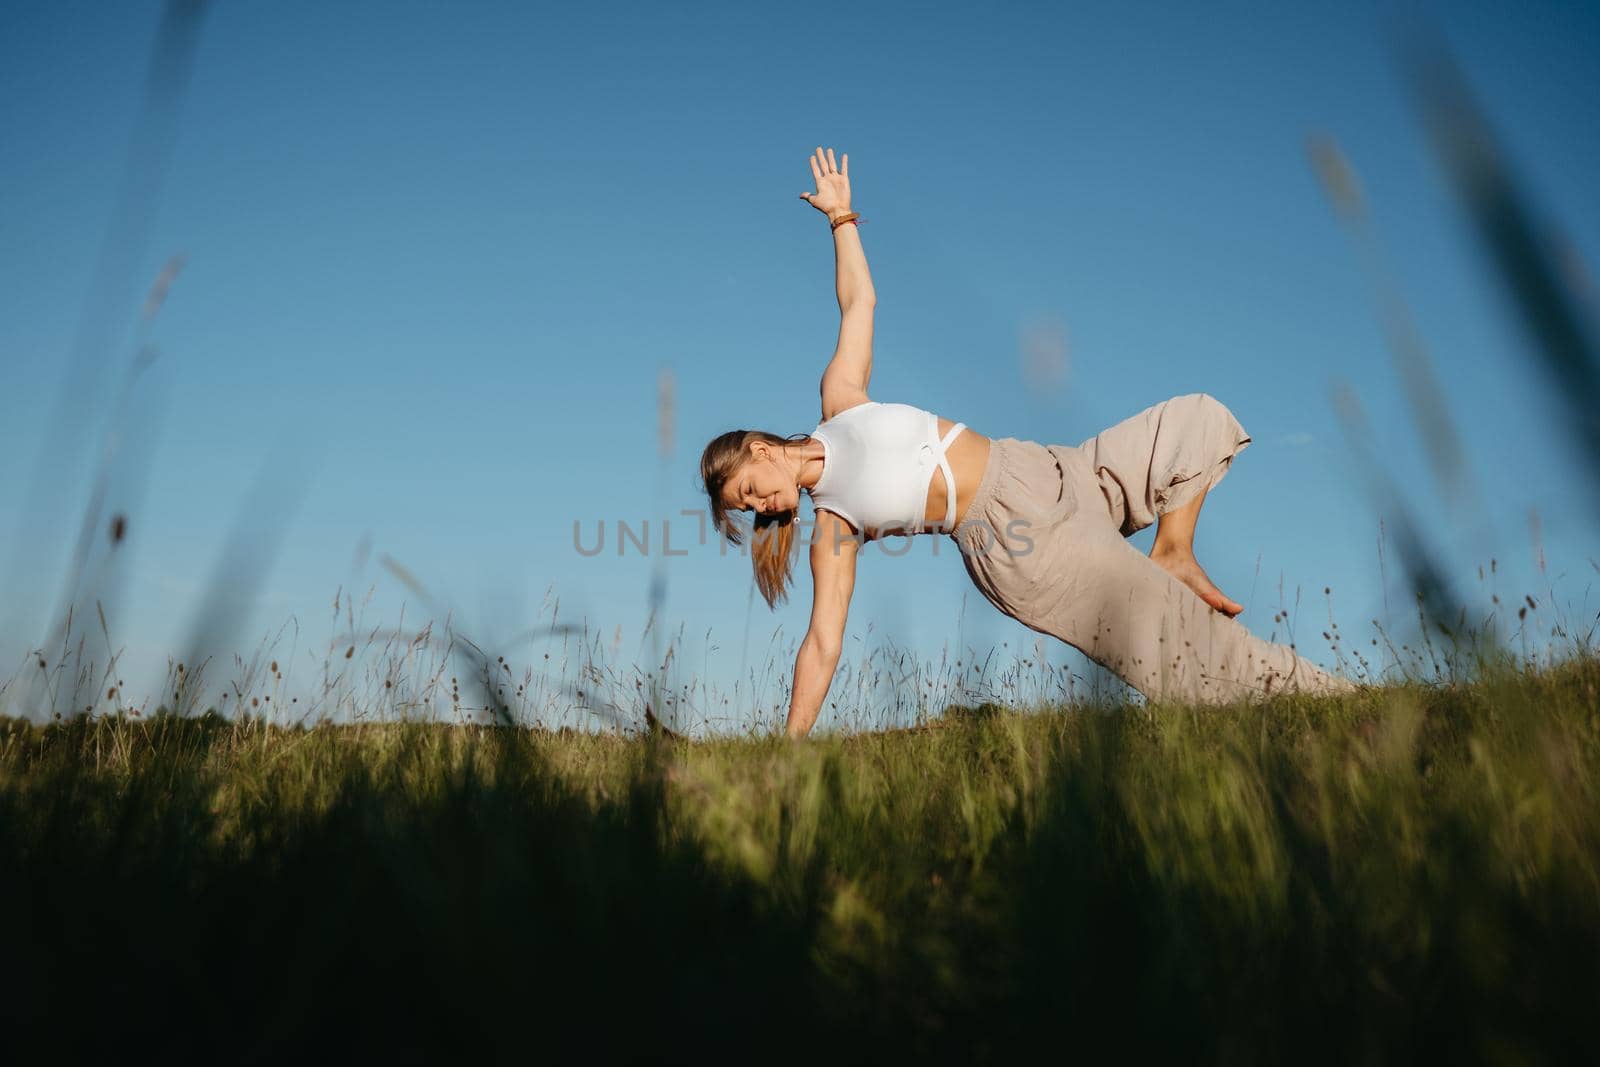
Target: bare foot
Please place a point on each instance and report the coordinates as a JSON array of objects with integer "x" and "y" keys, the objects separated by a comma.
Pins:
[{"x": 1184, "y": 567}]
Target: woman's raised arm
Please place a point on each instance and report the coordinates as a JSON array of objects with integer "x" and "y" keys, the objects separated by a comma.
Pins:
[
  {"x": 851, "y": 279},
  {"x": 844, "y": 383}
]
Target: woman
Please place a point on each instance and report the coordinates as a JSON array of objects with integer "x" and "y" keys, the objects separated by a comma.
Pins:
[{"x": 1041, "y": 528}]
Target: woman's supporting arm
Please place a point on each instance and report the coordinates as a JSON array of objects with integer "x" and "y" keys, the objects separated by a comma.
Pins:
[
  {"x": 833, "y": 575},
  {"x": 813, "y": 674}
]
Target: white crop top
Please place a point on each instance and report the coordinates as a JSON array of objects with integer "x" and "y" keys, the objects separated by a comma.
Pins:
[{"x": 877, "y": 459}]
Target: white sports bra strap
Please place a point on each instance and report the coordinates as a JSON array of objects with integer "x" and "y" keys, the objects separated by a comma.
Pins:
[{"x": 949, "y": 476}]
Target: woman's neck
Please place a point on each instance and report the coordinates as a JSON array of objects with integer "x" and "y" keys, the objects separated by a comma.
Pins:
[{"x": 807, "y": 457}]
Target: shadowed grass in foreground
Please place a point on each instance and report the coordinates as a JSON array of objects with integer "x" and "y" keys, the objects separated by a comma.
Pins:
[{"x": 1411, "y": 871}]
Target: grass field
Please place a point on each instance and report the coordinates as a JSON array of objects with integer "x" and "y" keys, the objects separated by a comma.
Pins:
[{"x": 1410, "y": 872}]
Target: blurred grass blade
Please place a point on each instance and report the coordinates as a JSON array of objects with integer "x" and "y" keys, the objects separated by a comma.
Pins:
[
  {"x": 247, "y": 557},
  {"x": 108, "y": 299},
  {"x": 120, "y": 476},
  {"x": 1423, "y": 389},
  {"x": 1525, "y": 264},
  {"x": 1415, "y": 555}
]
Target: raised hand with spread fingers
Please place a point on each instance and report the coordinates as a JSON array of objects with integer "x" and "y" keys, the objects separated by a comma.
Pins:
[{"x": 832, "y": 197}]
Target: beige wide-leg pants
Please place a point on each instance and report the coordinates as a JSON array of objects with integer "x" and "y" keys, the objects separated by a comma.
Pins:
[{"x": 1044, "y": 541}]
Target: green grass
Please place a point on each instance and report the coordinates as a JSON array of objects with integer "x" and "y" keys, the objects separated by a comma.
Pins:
[{"x": 1414, "y": 871}]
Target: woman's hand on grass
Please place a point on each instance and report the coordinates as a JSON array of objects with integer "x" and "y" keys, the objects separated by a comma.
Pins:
[{"x": 832, "y": 197}]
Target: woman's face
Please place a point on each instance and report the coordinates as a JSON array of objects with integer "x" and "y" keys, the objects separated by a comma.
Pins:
[{"x": 762, "y": 486}]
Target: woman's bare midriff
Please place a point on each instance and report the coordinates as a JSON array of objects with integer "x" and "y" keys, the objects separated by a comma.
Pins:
[{"x": 968, "y": 455}]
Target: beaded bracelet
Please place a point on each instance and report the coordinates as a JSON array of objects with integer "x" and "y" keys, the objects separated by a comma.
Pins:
[{"x": 851, "y": 217}]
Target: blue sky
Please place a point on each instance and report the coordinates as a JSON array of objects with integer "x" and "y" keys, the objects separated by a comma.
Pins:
[{"x": 438, "y": 256}]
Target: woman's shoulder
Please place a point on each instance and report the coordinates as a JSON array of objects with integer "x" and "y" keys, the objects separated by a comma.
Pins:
[
  {"x": 854, "y": 409},
  {"x": 881, "y": 407}
]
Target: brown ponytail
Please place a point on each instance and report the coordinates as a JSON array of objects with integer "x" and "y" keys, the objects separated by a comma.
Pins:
[{"x": 772, "y": 544}]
